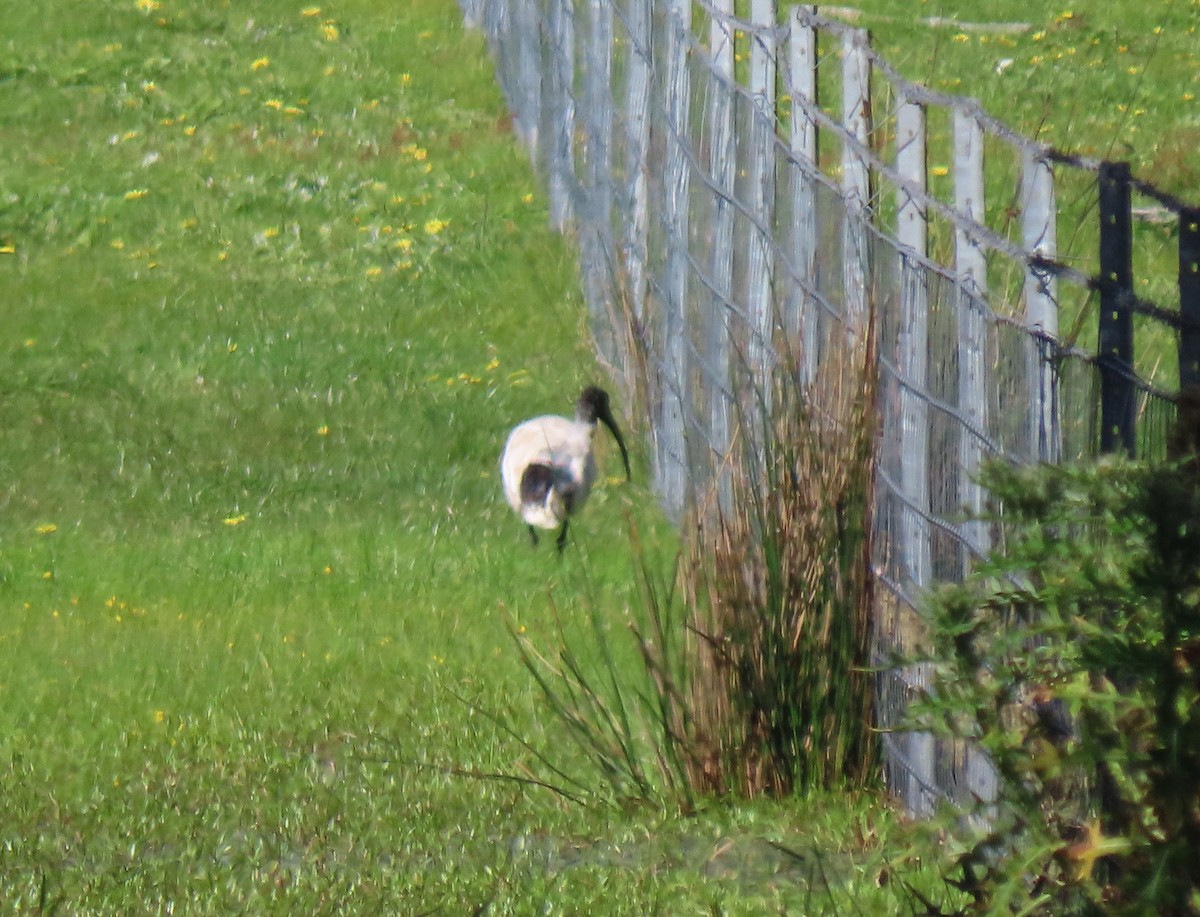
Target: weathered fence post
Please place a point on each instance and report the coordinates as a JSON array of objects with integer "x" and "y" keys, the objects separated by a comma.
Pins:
[
  {"x": 761, "y": 180},
  {"x": 528, "y": 27},
  {"x": 803, "y": 308},
  {"x": 595, "y": 195},
  {"x": 1039, "y": 235},
  {"x": 1115, "y": 345},
  {"x": 672, "y": 441},
  {"x": 637, "y": 151},
  {"x": 856, "y": 175},
  {"x": 1189, "y": 297},
  {"x": 722, "y": 164},
  {"x": 912, "y": 230},
  {"x": 560, "y": 157},
  {"x": 971, "y": 266}
]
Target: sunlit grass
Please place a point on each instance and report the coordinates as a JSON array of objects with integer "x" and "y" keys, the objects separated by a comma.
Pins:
[{"x": 274, "y": 285}]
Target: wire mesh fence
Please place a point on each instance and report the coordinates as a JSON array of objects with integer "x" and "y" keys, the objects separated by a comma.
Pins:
[{"x": 734, "y": 225}]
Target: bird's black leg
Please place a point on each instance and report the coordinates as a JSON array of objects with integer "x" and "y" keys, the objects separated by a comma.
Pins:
[
  {"x": 562, "y": 537},
  {"x": 533, "y": 536}
]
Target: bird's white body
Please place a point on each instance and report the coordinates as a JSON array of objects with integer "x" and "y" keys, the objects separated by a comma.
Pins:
[
  {"x": 547, "y": 467},
  {"x": 563, "y": 445}
]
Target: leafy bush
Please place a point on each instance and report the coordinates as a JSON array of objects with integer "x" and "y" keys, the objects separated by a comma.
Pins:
[{"x": 1072, "y": 655}]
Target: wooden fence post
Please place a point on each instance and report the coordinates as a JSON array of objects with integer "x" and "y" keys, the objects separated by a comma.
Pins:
[
  {"x": 675, "y": 388},
  {"x": 1189, "y": 297},
  {"x": 560, "y": 156},
  {"x": 528, "y": 27},
  {"x": 761, "y": 181},
  {"x": 722, "y": 164},
  {"x": 912, "y": 229},
  {"x": 637, "y": 152},
  {"x": 802, "y": 67},
  {"x": 856, "y": 176},
  {"x": 1115, "y": 345},
  {"x": 1039, "y": 235}
]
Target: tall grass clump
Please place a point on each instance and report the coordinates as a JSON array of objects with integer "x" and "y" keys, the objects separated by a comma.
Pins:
[
  {"x": 746, "y": 672},
  {"x": 782, "y": 610}
]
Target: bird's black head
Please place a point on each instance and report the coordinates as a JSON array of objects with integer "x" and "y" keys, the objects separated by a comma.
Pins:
[{"x": 593, "y": 406}]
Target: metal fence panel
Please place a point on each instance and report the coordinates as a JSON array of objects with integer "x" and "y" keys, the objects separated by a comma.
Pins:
[{"x": 718, "y": 246}]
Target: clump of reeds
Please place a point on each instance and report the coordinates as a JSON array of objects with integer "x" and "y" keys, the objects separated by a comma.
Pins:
[{"x": 780, "y": 685}]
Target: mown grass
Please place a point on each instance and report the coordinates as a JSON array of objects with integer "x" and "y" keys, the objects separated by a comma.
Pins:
[{"x": 274, "y": 284}]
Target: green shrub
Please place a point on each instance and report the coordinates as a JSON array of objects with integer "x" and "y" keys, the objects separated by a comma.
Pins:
[{"x": 1072, "y": 655}]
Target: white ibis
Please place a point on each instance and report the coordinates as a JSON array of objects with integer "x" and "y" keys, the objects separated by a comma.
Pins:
[{"x": 548, "y": 467}]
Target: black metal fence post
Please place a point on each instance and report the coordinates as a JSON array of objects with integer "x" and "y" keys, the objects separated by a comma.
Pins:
[
  {"x": 1115, "y": 347},
  {"x": 1189, "y": 298}
]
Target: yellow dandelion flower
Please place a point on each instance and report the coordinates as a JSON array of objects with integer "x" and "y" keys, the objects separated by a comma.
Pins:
[
  {"x": 136, "y": 194},
  {"x": 117, "y": 244},
  {"x": 8, "y": 249},
  {"x": 270, "y": 232},
  {"x": 261, "y": 63},
  {"x": 293, "y": 110},
  {"x": 374, "y": 271},
  {"x": 30, "y": 342},
  {"x": 274, "y": 103},
  {"x": 433, "y": 227},
  {"x": 493, "y": 365},
  {"x": 48, "y": 528},
  {"x": 149, "y": 86},
  {"x": 405, "y": 79},
  {"x": 328, "y": 570},
  {"x": 962, "y": 37},
  {"x": 939, "y": 171},
  {"x": 330, "y": 30},
  {"x": 130, "y": 135},
  {"x": 527, "y": 199},
  {"x": 160, "y": 716},
  {"x": 311, "y": 11},
  {"x": 49, "y": 574},
  {"x": 148, "y": 6},
  {"x": 235, "y": 520}
]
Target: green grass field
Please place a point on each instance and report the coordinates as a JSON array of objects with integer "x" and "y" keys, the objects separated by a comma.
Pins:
[{"x": 275, "y": 282}]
